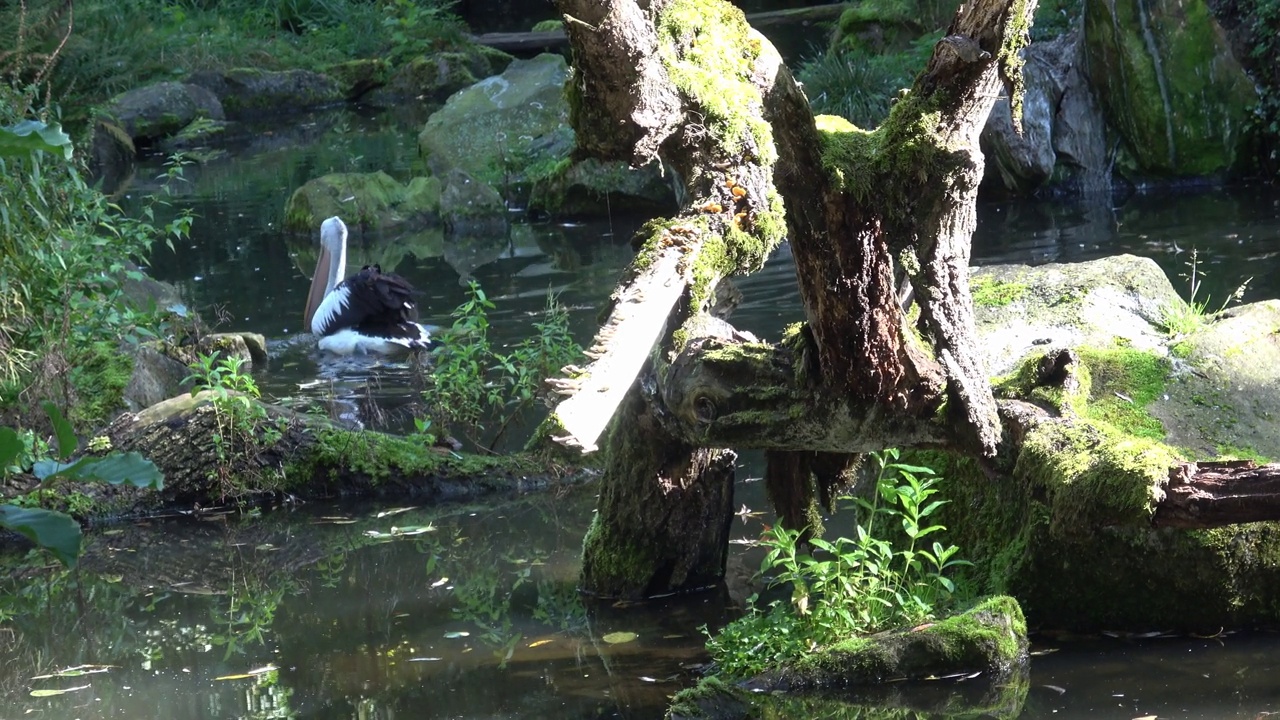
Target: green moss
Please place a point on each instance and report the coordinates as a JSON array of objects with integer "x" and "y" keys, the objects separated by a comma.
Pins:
[
  {"x": 987, "y": 291},
  {"x": 616, "y": 562},
  {"x": 1233, "y": 452},
  {"x": 710, "y": 56},
  {"x": 904, "y": 159},
  {"x": 548, "y": 25},
  {"x": 379, "y": 457},
  {"x": 1124, "y": 382}
]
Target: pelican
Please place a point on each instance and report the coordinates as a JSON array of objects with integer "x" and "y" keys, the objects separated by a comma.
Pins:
[{"x": 369, "y": 312}]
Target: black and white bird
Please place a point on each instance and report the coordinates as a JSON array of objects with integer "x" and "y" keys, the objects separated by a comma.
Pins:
[{"x": 369, "y": 312}]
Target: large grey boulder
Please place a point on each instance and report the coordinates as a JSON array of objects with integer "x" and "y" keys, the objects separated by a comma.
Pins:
[
  {"x": 511, "y": 132},
  {"x": 505, "y": 130}
]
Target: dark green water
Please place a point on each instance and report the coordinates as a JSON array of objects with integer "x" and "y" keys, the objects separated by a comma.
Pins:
[{"x": 359, "y": 625}]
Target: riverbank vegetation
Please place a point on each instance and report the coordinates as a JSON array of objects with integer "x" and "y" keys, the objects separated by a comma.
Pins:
[{"x": 105, "y": 47}]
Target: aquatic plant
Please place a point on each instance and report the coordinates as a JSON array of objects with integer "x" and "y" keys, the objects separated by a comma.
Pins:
[
  {"x": 470, "y": 384},
  {"x": 851, "y": 586}
]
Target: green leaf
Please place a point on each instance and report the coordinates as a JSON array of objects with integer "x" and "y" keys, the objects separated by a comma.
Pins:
[
  {"x": 116, "y": 469},
  {"x": 10, "y": 447},
  {"x": 31, "y": 135},
  {"x": 66, "y": 435},
  {"x": 57, "y": 532}
]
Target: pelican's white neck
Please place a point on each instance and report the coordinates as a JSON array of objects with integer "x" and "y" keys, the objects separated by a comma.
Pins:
[{"x": 333, "y": 237}]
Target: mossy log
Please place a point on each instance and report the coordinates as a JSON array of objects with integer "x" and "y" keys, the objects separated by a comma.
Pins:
[{"x": 209, "y": 460}]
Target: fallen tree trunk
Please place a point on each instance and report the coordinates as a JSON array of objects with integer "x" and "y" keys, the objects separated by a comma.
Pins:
[
  {"x": 552, "y": 40},
  {"x": 1214, "y": 494},
  {"x": 208, "y": 461}
]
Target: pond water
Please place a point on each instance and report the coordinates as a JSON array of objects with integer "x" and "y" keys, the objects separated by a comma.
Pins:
[{"x": 471, "y": 611}]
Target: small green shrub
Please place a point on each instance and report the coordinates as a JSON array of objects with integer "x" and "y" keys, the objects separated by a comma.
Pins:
[
  {"x": 470, "y": 383},
  {"x": 852, "y": 586},
  {"x": 1182, "y": 318},
  {"x": 243, "y": 426}
]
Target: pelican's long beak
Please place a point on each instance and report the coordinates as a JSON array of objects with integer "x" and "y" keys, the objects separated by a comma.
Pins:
[{"x": 319, "y": 287}]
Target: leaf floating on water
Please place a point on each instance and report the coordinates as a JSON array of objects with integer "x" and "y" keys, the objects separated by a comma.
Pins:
[
  {"x": 399, "y": 532},
  {"x": 394, "y": 511},
  {"x": 1045, "y": 651},
  {"x": 617, "y": 638},
  {"x": 334, "y": 520},
  {"x": 540, "y": 643},
  {"x": 1055, "y": 688},
  {"x": 439, "y": 582},
  {"x": 252, "y": 673},
  {"x": 424, "y": 659},
  {"x": 455, "y": 634},
  {"x": 1145, "y": 717},
  {"x": 53, "y": 692},
  {"x": 76, "y": 671}
]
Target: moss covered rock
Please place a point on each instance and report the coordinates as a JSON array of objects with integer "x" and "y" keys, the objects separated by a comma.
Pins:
[
  {"x": 1169, "y": 85},
  {"x": 1069, "y": 530},
  {"x": 435, "y": 76},
  {"x": 374, "y": 200},
  {"x": 1021, "y": 309}
]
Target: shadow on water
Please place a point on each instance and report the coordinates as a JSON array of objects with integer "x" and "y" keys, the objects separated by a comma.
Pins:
[{"x": 477, "y": 615}]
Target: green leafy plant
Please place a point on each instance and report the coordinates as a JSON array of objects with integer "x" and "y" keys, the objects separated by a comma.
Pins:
[
  {"x": 55, "y": 531},
  {"x": 1185, "y": 317},
  {"x": 849, "y": 586},
  {"x": 243, "y": 424},
  {"x": 66, "y": 253},
  {"x": 471, "y": 383}
]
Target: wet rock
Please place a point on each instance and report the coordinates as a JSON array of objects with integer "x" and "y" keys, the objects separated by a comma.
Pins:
[
  {"x": 1169, "y": 87},
  {"x": 1022, "y": 309},
  {"x": 112, "y": 155},
  {"x": 156, "y": 377},
  {"x": 465, "y": 201},
  {"x": 250, "y": 347},
  {"x": 158, "y": 110},
  {"x": 356, "y": 78},
  {"x": 374, "y": 200},
  {"x": 249, "y": 91}
]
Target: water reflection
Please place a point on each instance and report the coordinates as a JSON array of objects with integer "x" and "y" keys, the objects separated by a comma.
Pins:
[{"x": 393, "y": 612}]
